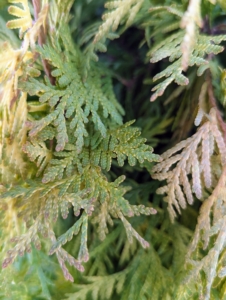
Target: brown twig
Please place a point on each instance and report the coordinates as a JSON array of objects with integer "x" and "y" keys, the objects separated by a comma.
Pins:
[
  {"x": 37, "y": 7},
  {"x": 41, "y": 40}
]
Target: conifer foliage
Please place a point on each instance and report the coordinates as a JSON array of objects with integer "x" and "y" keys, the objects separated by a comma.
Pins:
[{"x": 88, "y": 210}]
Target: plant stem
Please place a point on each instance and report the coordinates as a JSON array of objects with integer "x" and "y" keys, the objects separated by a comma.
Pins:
[{"x": 41, "y": 40}]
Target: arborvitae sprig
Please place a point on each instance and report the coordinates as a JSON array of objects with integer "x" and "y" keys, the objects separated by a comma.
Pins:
[
  {"x": 83, "y": 122},
  {"x": 71, "y": 100},
  {"x": 24, "y": 21},
  {"x": 194, "y": 160},
  {"x": 200, "y": 169},
  {"x": 198, "y": 46}
]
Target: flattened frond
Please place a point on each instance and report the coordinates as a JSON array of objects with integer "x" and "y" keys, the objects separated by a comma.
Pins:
[
  {"x": 92, "y": 101},
  {"x": 210, "y": 228},
  {"x": 24, "y": 21},
  {"x": 183, "y": 48},
  {"x": 172, "y": 49},
  {"x": 193, "y": 160}
]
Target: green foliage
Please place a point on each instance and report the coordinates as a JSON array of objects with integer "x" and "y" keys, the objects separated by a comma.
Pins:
[
  {"x": 93, "y": 100},
  {"x": 79, "y": 199},
  {"x": 171, "y": 48}
]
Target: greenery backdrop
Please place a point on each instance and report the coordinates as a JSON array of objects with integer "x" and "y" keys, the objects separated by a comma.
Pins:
[{"x": 88, "y": 209}]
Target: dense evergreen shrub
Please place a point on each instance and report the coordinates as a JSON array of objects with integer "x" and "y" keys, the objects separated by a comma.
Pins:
[{"x": 88, "y": 209}]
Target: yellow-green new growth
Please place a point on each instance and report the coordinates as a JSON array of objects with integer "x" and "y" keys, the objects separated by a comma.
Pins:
[{"x": 24, "y": 21}]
